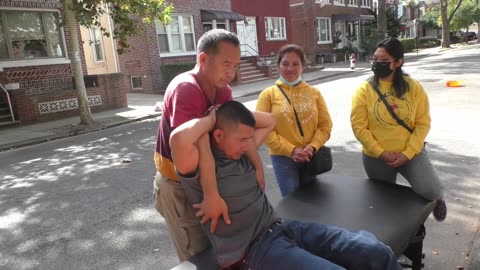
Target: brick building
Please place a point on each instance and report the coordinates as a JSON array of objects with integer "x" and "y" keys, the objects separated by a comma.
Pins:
[
  {"x": 160, "y": 52},
  {"x": 35, "y": 69},
  {"x": 325, "y": 27}
]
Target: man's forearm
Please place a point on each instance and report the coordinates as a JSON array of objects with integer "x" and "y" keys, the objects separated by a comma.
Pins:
[
  {"x": 206, "y": 164},
  {"x": 254, "y": 157}
]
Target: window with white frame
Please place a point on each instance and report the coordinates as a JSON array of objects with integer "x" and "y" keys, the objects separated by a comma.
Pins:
[
  {"x": 366, "y": 3},
  {"x": 339, "y": 2},
  {"x": 178, "y": 36},
  {"x": 275, "y": 28},
  {"x": 97, "y": 45},
  {"x": 324, "y": 30},
  {"x": 136, "y": 82},
  {"x": 352, "y": 3},
  {"x": 216, "y": 24},
  {"x": 30, "y": 35}
]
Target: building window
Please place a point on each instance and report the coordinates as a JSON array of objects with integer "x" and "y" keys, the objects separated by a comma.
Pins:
[
  {"x": 324, "y": 30},
  {"x": 136, "y": 82},
  {"x": 30, "y": 35},
  {"x": 178, "y": 36},
  {"x": 339, "y": 2},
  {"x": 275, "y": 28},
  {"x": 216, "y": 24},
  {"x": 97, "y": 45},
  {"x": 366, "y": 3},
  {"x": 353, "y": 3}
]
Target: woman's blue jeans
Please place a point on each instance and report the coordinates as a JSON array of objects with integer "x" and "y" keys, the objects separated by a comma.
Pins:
[
  {"x": 288, "y": 174},
  {"x": 311, "y": 246}
]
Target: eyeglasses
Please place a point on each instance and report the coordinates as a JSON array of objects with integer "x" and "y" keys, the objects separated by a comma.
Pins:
[{"x": 373, "y": 60}]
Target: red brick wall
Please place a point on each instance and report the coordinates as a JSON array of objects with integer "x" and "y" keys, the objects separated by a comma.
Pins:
[
  {"x": 145, "y": 59},
  {"x": 54, "y": 82},
  {"x": 304, "y": 26},
  {"x": 260, "y": 10},
  {"x": 26, "y": 99}
]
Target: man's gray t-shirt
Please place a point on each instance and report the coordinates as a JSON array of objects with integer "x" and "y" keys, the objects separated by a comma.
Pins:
[{"x": 248, "y": 206}]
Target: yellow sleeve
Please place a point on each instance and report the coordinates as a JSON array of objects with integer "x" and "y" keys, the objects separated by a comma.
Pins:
[
  {"x": 274, "y": 141},
  {"x": 422, "y": 121},
  {"x": 324, "y": 127},
  {"x": 359, "y": 122}
]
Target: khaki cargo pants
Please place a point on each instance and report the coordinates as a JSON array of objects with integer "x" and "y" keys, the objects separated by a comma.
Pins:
[{"x": 184, "y": 228}]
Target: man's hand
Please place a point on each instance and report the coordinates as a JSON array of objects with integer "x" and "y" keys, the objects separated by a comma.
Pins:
[
  {"x": 299, "y": 155},
  {"x": 400, "y": 160},
  {"x": 388, "y": 157},
  {"x": 260, "y": 176},
  {"x": 212, "y": 207}
]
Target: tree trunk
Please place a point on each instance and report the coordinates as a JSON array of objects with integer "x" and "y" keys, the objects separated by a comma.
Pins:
[
  {"x": 382, "y": 19},
  {"x": 478, "y": 30},
  {"x": 445, "y": 24},
  {"x": 85, "y": 114}
]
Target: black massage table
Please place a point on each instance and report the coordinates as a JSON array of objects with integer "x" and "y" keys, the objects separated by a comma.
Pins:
[{"x": 393, "y": 213}]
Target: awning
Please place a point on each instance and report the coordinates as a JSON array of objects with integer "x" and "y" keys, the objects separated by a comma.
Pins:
[
  {"x": 214, "y": 14},
  {"x": 352, "y": 17}
]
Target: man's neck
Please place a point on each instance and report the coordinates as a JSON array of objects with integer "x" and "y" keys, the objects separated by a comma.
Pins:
[{"x": 209, "y": 89}]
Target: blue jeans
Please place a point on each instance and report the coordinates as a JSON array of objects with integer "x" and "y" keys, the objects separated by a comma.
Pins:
[
  {"x": 311, "y": 246},
  {"x": 288, "y": 174}
]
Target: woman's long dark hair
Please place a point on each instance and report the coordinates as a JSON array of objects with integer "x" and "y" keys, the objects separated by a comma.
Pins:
[{"x": 395, "y": 48}]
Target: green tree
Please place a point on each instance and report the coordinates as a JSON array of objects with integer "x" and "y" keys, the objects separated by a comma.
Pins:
[
  {"x": 129, "y": 18},
  {"x": 430, "y": 17},
  {"x": 447, "y": 11},
  {"x": 465, "y": 16},
  {"x": 393, "y": 23}
]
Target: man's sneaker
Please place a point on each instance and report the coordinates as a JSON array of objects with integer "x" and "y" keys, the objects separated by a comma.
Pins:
[{"x": 440, "y": 210}]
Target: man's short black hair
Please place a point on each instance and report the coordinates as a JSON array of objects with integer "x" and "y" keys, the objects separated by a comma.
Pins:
[
  {"x": 209, "y": 41},
  {"x": 234, "y": 113}
]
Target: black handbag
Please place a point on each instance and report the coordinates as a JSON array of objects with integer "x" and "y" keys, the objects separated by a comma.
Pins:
[{"x": 321, "y": 161}]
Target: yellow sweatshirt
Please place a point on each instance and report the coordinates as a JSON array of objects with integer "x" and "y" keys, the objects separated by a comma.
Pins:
[
  {"x": 312, "y": 112},
  {"x": 378, "y": 131}
]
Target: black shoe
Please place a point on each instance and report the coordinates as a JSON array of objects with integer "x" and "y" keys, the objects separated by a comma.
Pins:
[{"x": 440, "y": 210}]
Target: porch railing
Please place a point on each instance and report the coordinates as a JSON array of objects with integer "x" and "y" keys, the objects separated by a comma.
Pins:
[
  {"x": 249, "y": 49},
  {"x": 9, "y": 102}
]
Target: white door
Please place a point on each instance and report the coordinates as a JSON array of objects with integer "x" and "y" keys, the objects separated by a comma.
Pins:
[{"x": 247, "y": 34}]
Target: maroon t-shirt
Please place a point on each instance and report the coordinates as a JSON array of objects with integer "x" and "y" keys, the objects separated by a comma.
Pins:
[{"x": 184, "y": 100}]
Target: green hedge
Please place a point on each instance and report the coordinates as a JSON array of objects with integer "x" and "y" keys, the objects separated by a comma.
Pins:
[
  {"x": 171, "y": 70},
  {"x": 428, "y": 42},
  {"x": 408, "y": 44}
]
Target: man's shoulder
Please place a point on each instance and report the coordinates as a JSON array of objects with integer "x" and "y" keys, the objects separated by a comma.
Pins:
[{"x": 182, "y": 84}]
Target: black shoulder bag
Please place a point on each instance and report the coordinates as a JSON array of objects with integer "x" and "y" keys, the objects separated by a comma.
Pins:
[
  {"x": 389, "y": 108},
  {"x": 321, "y": 161}
]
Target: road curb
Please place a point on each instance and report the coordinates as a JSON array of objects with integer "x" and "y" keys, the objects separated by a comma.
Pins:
[{"x": 53, "y": 137}]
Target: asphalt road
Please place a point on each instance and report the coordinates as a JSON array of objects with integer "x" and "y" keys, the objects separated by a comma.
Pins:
[{"x": 85, "y": 202}]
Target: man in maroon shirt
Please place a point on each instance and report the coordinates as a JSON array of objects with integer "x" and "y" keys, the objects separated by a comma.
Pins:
[{"x": 191, "y": 95}]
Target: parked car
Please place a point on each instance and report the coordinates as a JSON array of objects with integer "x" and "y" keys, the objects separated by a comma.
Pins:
[{"x": 470, "y": 36}]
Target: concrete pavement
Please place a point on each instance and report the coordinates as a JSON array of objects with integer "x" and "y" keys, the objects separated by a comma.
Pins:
[{"x": 142, "y": 106}]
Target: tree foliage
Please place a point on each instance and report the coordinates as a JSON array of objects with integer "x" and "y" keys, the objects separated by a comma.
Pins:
[
  {"x": 431, "y": 17},
  {"x": 467, "y": 13},
  {"x": 393, "y": 23},
  {"x": 129, "y": 16}
]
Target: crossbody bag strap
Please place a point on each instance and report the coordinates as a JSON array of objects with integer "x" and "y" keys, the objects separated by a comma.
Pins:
[
  {"x": 294, "y": 111},
  {"x": 389, "y": 108}
]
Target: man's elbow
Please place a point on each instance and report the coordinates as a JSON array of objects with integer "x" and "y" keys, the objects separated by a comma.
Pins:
[{"x": 272, "y": 121}]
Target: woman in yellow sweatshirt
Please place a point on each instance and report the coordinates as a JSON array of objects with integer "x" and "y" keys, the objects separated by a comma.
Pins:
[
  {"x": 390, "y": 146},
  {"x": 288, "y": 148}
]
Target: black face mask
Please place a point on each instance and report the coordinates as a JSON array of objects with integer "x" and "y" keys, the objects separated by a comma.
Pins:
[{"x": 381, "y": 69}]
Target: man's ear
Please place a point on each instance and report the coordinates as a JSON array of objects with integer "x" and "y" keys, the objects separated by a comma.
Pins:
[
  {"x": 202, "y": 58},
  {"x": 218, "y": 135}
]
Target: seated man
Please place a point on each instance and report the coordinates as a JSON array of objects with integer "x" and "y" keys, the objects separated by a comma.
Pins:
[{"x": 256, "y": 236}]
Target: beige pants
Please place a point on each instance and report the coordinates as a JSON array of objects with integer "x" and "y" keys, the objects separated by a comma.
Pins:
[{"x": 183, "y": 227}]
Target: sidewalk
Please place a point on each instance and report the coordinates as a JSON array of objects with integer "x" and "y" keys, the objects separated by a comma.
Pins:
[{"x": 142, "y": 106}]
